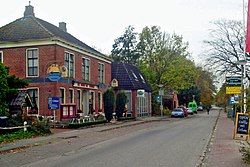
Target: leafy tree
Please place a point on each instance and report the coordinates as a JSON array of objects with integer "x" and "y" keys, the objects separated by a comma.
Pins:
[
  {"x": 124, "y": 48},
  {"x": 4, "y": 89},
  {"x": 188, "y": 95},
  {"x": 109, "y": 101},
  {"x": 8, "y": 89},
  {"x": 225, "y": 47},
  {"x": 121, "y": 100}
]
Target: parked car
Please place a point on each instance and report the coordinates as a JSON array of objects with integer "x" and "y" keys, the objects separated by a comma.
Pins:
[
  {"x": 190, "y": 111},
  {"x": 200, "y": 108},
  {"x": 184, "y": 110},
  {"x": 177, "y": 112}
]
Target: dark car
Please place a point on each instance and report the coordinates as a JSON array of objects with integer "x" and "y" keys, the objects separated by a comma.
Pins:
[{"x": 177, "y": 112}]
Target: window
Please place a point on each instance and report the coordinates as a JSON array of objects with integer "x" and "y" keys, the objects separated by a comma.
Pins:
[
  {"x": 1, "y": 56},
  {"x": 78, "y": 100},
  {"x": 100, "y": 100},
  {"x": 101, "y": 72},
  {"x": 71, "y": 96},
  {"x": 32, "y": 62},
  {"x": 69, "y": 63},
  {"x": 62, "y": 95},
  {"x": 33, "y": 93},
  {"x": 85, "y": 69}
]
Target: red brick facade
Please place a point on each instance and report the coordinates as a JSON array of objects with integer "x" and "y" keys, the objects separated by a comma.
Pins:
[{"x": 15, "y": 59}]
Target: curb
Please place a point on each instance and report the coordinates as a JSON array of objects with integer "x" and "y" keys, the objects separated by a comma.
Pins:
[{"x": 206, "y": 148}]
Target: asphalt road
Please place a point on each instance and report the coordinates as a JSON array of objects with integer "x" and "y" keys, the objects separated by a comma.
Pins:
[{"x": 175, "y": 144}]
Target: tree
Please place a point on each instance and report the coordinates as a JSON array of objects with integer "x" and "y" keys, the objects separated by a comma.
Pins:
[
  {"x": 4, "y": 89},
  {"x": 109, "y": 101},
  {"x": 124, "y": 48},
  {"x": 121, "y": 100},
  {"x": 225, "y": 47},
  {"x": 8, "y": 89}
]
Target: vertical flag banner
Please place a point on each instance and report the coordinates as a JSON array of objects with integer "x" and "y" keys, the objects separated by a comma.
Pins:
[{"x": 248, "y": 29}]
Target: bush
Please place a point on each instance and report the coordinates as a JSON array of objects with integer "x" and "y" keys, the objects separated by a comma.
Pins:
[
  {"x": 121, "y": 100},
  {"x": 41, "y": 126},
  {"x": 109, "y": 99},
  {"x": 78, "y": 125},
  {"x": 245, "y": 151}
]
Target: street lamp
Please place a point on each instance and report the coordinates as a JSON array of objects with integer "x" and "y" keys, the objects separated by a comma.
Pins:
[
  {"x": 243, "y": 91},
  {"x": 161, "y": 93}
]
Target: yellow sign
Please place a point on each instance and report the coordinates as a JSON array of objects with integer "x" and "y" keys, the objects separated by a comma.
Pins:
[{"x": 233, "y": 90}]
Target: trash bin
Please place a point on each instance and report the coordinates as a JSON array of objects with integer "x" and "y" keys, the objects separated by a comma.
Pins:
[{"x": 3, "y": 121}]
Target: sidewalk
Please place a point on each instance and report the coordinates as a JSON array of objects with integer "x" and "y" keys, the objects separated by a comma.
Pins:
[
  {"x": 60, "y": 134},
  {"x": 223, "y": 150}
]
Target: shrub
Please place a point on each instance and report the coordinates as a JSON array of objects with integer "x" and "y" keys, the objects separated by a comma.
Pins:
[
  {"x": 109, "y": 99},
  {"x": 121, "y": 100},
  {"x": 245, "y": 151},
  {"x": 41, "y": 126}
]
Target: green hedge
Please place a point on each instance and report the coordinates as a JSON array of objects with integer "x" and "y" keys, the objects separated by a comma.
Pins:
[
  {"x": 78, "y": 125},
  {"x": 126, "y": 118}
]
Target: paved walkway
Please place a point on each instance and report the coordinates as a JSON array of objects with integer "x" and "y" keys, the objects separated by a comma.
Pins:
[{"x": 223, "y": 150}]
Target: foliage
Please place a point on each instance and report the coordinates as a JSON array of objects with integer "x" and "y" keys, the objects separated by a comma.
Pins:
[
  {"x": 8, "y": 89},
  {"x": 124, "y": 48},
  {"x": 121, "y": 100},
  {"x": 186, "y": 95},
  {"x": 245, "y": 151},
  {"x": 225, "y": 47},
  {"x": 10, "y": 137},
  {"x": 83, "y": 124},
  {"x": 41, "y": 127},
  {"x": 4, "y": 89},
  {"x": 109, "y": 100}
]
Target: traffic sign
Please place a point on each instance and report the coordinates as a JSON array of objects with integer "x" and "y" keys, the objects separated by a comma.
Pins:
[
  {"x": 53, "y": 103},
  {"x": 233, "y": 81}
]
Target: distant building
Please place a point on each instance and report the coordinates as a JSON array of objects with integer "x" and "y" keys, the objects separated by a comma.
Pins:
[
  {"x": 131, "y": 81},
  {"x": 56, "y": 64}
]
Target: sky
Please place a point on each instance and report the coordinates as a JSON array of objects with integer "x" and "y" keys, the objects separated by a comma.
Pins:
[{"x": 99, "y": 22}]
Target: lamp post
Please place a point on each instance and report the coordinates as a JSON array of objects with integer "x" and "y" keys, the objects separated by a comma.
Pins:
[
  {"x": 243, "y": 88},
  {"x": 161, "y": 93}
]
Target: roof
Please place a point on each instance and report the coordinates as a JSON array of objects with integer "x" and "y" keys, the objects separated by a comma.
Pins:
[
  {"x": 22, "y": 99},
  {"x": 33, "y": 28},
  {"x": 128, "y": 76}
]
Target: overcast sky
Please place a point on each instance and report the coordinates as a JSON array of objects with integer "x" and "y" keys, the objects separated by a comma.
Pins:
[{"x": 99, "y": 22}]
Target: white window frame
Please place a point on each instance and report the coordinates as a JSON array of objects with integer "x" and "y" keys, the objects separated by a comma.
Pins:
[
  {"x": 1, "y": 56},
  {"x": 99, "y": 72},
  {"x": 38, "y": 93},
  {"x": 27, "y": 63},
  {"x": 84, "y": 58},
  {"x": 74, "y": 64},
  {"x": 64, "y": 91}
]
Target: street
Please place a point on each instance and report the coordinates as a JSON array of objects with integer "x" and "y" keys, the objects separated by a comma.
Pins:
[{"x": 165, "y": 143}]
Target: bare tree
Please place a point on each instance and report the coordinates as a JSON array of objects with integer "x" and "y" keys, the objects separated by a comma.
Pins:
[{"x": 225, "y": 47}]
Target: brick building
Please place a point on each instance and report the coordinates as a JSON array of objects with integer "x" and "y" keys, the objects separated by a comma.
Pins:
[
  {"x": 56, "y": 64},
  {"x": 129, "y": 79}
]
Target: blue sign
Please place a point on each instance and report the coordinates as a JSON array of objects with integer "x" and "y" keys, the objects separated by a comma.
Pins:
[
  {"x": 54, "y": 76},
  {"x": 53, "y": 103}
]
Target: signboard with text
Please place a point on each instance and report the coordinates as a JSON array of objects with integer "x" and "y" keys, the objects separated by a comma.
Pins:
[
  {"x": 241, "y": 126},
  {"x": 233, "y": 90},
  {"x": 233, "y": 81},
  {"x": 53, "y": 103}
]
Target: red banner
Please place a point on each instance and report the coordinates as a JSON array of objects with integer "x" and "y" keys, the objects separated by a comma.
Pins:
[{"x": 248, "y": 29}]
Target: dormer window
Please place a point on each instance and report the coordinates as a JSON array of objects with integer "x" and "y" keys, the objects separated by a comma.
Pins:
[
  {"x": 134, "y": 75},
  {"x": 143, "y": 80}
]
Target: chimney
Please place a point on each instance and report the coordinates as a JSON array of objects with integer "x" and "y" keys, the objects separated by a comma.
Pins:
[
  {"x": 29, "y": 11},
  {"x": 62, "y": 26}
]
